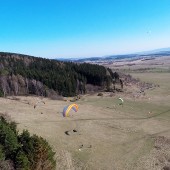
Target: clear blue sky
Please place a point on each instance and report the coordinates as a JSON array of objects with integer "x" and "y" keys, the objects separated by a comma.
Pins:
[{"x": 83, "y": 28}]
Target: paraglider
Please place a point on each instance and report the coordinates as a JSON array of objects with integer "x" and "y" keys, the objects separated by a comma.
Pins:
[
  {"x": 38, "y": 103},
  {"x": 121, "y": 101},
  {"x": 66, "y": 113},
  {"x": 67, "y": 109},
  {"x": 149, "y": 32}
]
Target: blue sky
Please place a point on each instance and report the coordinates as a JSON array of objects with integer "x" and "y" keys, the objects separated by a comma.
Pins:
[{"x": 83, "y": 28}]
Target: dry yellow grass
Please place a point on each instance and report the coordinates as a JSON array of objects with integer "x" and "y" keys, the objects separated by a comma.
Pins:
[{"x": 109, "y": 136}]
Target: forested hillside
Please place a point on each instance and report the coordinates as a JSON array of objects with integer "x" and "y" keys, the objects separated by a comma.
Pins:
[{"x": 22, "y": 75}]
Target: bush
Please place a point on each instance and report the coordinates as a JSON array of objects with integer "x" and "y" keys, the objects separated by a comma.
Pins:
[{"x": 100, "y": 94}]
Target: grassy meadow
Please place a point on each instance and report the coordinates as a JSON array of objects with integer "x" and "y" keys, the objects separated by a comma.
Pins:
[{"x": 109, "y": 136}]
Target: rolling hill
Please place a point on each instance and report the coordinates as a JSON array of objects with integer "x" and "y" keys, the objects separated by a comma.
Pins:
[{"x": 24, "y": 75}]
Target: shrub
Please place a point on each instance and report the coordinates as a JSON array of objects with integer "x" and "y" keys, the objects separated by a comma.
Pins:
[{"x": 100, "y": 94}]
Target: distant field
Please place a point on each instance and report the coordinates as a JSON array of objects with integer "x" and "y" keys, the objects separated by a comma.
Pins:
[
  {"x": 108, "y": 135},
  {"x": 161, "y": 94},
  {"x": 158, "y": 65}
]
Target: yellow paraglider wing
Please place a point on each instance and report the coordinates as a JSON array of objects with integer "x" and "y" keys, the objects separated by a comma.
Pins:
[{"x": 67, "y": 109}]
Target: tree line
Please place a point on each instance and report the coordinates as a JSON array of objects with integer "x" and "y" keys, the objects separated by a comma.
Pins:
[{"x": 21, "y": 74}]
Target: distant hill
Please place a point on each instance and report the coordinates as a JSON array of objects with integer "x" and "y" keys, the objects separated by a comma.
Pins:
[
  {"x": 23, "y": 75},
  {"x": 156, "y": 51},
  {"x": 138, "y": 55}
]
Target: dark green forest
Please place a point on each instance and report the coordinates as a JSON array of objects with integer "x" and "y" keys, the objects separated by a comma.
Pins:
[
  {"x": 23, "y": 151},
  {"x": 22, "y": 74}
]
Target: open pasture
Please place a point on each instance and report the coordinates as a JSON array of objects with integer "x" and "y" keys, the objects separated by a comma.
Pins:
[{"x": 109, "y": 136}]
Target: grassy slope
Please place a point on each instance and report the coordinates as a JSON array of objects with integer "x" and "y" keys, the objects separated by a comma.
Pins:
[{"x": 119, "y": 136}]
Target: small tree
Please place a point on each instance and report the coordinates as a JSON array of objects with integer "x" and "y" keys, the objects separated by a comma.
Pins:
[
  {"x": 38, "y": 151},
  {"x": 8, "y": 139}
]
